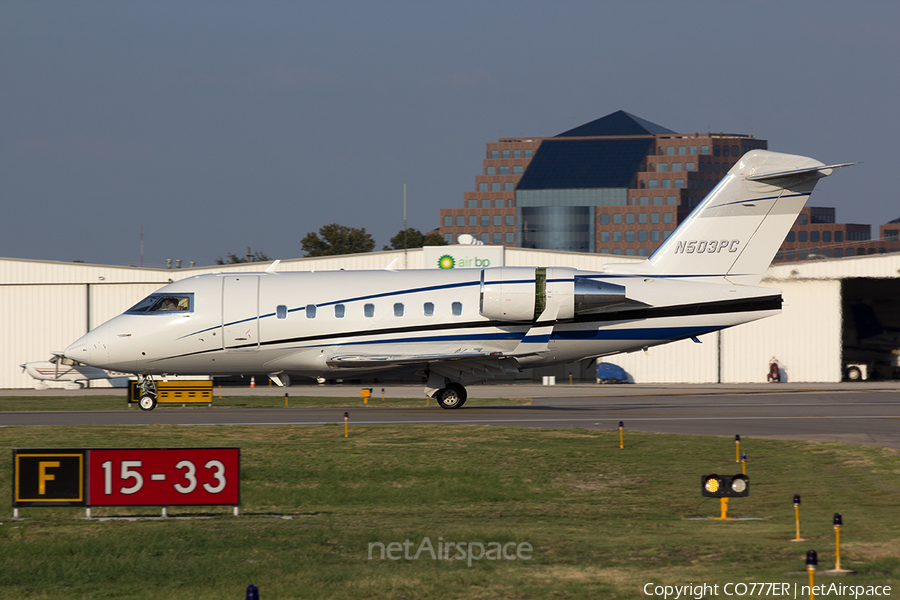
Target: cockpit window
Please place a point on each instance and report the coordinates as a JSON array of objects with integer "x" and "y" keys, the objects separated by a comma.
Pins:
[
  {"x": 161, "y": 303},
  {"x": 65, "y": 361}
]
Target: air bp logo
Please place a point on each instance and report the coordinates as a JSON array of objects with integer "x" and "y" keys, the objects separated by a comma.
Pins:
[{"x": 446, "y": 262}]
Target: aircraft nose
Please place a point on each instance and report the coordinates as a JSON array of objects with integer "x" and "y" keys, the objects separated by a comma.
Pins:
[{"x": 92, "y": 348}]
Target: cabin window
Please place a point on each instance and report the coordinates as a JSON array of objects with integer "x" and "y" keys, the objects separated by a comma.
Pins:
[
  {"x": 369, "y": 310},
  {"x": 310, "y": 311},
  {"x": 339, "y": 311},
  {"x": 162, "y": 303},
  {"x": 398, "y": 309},
  {"x": 281, "y": 311},
  {"x": 428, "y": 308},
  {"x": 456, "y": 308}
]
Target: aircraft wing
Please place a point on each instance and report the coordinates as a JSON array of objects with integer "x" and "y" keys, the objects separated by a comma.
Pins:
[
  {"x": 466, "y": 367},
  {"x": 366, "y": 361}
]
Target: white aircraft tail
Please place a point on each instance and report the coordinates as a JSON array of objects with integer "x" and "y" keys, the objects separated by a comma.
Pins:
[{"x": 736, "y": 230}]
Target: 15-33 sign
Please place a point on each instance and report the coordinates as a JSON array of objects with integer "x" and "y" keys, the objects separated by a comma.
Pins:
[
  {"x": 163, "y": 477},
  {"x": 127, "y": 477}
]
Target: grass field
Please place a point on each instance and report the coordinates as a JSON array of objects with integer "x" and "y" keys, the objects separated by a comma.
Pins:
[
  {"x": 601, "y": 521},
  {"x": 275, "y": 401}
]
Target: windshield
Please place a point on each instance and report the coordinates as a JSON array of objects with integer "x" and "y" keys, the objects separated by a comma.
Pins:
[{"x": 158, "y": 303}]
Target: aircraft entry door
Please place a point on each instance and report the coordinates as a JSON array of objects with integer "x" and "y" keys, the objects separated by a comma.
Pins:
[{"x": 240, "y": 312}]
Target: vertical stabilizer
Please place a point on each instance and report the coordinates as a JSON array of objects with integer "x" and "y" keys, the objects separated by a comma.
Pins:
[{"x": 737, "y": 229}]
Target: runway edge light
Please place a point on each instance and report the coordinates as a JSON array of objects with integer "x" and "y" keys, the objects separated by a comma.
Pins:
[
  {"x": 797, "y": 537},
  {"x": 812, "y": 560}
]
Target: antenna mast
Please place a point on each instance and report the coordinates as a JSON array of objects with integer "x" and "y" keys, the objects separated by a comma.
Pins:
[{"x": 405, "y": 253}]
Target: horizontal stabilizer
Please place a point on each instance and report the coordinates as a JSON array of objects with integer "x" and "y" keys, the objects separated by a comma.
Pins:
[{"x": 821, "y": 170}]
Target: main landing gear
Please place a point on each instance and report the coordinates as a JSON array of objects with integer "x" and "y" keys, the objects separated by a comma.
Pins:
[
  {"x": 452, "y": 396},
  {"x": 147, "y": 388}
]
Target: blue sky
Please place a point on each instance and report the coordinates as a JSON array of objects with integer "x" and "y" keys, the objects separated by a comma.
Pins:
[{"x": 222, "y": 125}]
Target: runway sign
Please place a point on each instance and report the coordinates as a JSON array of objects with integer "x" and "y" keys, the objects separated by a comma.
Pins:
[
  {"x": 49, "y": 477},
  {"x": 126, "y": 477},
  {"x": 164, "y": 477}
]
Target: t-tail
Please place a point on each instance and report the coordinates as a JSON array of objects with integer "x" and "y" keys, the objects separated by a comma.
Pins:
[{"x": 736, "y": 230}]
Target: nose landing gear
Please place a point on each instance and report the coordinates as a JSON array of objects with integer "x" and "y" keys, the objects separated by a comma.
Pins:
[{"x": 149, "y": 394}]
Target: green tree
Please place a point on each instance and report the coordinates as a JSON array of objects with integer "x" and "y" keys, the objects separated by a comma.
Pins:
[
  {"x": 337, "y": 239},
  {"x": 433, "y": 238},
  {"x": 413, "y": 238},
  {"x": 234, "y": 259}
]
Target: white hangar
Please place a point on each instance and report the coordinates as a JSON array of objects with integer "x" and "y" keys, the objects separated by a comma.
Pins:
[{"x": 836, "y": 313}]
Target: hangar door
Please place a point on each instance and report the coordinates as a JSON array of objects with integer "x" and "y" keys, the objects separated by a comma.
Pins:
[
  {"x": 871, "y": 325},
  {"x": 240, "y": 312}
]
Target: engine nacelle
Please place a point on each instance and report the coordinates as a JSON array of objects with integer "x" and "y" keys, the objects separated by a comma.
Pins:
[
  {"x": 522, "y": 294},
  {"x": 508, "y": 293}
]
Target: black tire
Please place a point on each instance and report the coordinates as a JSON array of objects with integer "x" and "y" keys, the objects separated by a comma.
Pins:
[
  {"x": 147, "y": 403},
  {"x": 451, "y": 397},
  {"x": 854, "y": 374}
]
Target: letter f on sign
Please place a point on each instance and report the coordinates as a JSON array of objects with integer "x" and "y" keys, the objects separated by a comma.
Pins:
[{"x": 44, "y": 476}]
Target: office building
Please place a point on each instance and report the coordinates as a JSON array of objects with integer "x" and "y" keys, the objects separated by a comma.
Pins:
[
  {"x": 616, "y": 185},
  {"x": 620, "y": 185}
]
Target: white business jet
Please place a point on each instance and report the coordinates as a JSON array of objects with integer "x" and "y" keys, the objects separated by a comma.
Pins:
[{"x": 465, "y": 325}]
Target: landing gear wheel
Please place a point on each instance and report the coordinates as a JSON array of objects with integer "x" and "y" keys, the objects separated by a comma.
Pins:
[
  {"x": 854, "y": 374},
  {"x": 147, "y": 403},
  {"x": 452, "y": 396}
]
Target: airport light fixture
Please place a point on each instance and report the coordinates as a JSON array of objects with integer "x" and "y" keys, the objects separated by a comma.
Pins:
[
  {"x": 725, "y": 486},
  {"x": 797, "y": 537},
  {"x": 812, "y": 561},
  {"x": 838, "y": 522}
]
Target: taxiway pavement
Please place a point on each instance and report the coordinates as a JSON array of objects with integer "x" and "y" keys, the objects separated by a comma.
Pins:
[{"x": 853, "y": 413}]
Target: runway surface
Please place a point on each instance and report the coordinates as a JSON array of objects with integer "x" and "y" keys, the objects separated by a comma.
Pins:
[{"x": 863, "y": 415}]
